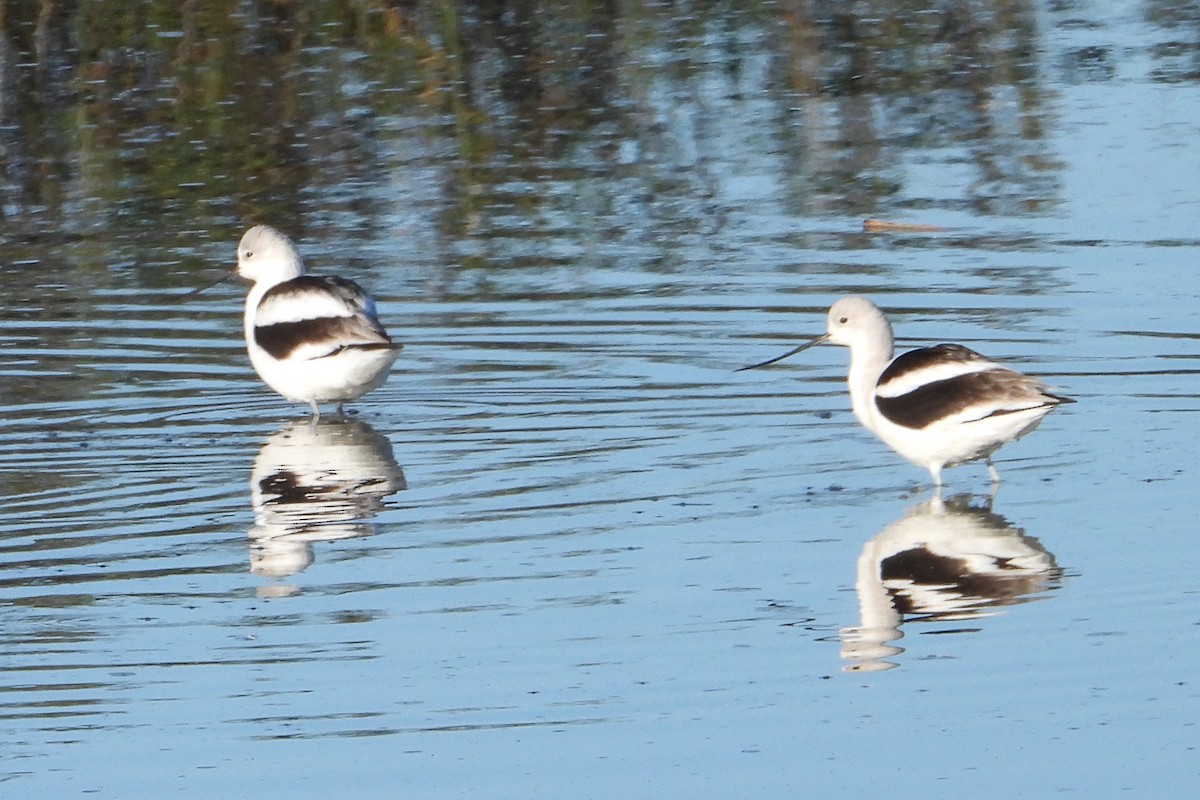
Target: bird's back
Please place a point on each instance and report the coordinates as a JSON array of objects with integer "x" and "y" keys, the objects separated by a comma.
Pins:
[{"x": 316, "y": 316}]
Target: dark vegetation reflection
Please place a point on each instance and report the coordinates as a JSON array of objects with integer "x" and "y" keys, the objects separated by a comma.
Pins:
[
  {"x": 196, "y": 116},
  {"x": 138, "y": 139}
]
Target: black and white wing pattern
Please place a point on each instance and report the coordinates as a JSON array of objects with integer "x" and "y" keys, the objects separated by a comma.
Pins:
[
  {"x": 954, "y": 384},
  {"x": 312, "y": 317}
]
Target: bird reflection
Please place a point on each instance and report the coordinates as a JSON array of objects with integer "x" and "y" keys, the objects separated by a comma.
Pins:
[
  {"x": 943, "y": 561},
  {"x": 315, "y": 482}
]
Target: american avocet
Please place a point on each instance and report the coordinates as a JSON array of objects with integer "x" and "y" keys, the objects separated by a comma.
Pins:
[
  {"x": 312, "y": 339},
  {"x": 316, "y": 482},
  {"x": 942, "y": 561},
  {"x": 937, "y": 406}
]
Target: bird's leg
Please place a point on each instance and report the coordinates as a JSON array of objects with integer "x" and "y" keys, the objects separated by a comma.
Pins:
[
  {"x": 991, "y": 498},
  {"x": 316, "y": 411}
]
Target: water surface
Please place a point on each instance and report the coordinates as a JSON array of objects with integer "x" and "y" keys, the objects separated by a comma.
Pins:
[{"x": 566, "y": 550}]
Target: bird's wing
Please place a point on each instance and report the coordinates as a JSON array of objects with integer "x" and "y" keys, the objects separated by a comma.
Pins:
[
  {"x": 313, "y": 317},
  {"x": 950, "y": 383}
]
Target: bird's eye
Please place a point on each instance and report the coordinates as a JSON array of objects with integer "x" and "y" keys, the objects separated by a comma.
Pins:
[
  {"x": 249, "y": 253},
  {"x": 844, "y": 320}
]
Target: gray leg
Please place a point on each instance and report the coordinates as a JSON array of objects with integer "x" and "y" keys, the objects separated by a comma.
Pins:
[
  {"x": 316, "y": 410},
  {"x": 936, "y": 472},
  {"x": 992, "y": 471}
]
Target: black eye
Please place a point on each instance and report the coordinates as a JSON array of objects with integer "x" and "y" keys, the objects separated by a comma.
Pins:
[
  {"x": 249, "y": 253},
  {"x": 844, "y": 320}
]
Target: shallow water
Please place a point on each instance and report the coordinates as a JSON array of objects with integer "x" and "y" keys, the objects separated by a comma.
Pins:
[{"x": 566, "y": 549}]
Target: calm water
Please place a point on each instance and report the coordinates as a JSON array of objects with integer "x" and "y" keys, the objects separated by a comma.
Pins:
[{"x": 567, "y": 551}]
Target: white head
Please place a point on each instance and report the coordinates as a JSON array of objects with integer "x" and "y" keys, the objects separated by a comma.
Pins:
[
  {"x": 854, "y": 322},
  {"x": 857, "y": 321},
  {"x": 267, "y": 257}
]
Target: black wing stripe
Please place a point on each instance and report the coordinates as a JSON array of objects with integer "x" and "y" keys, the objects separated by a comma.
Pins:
[
  {"x": 931, "y": 402},
  {"x": 282, "y": 339}
]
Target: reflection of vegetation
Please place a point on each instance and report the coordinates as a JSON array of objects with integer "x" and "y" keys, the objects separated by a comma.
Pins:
[
  {"x": 142, "y": 134},
  {"x": 1178, "y": 55},
  {"x": 198, "y": 116}
]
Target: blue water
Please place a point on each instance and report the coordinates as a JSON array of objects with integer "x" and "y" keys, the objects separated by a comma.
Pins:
[{"x": 566, "y": 550}]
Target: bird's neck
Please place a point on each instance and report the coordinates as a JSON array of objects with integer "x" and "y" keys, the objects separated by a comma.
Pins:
[
  {"x": 284, "y": 270},
  {"x": 277, "y": 268},
  {"x": 253, "y": 298},
  {"x": 868, "y": 360}
]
